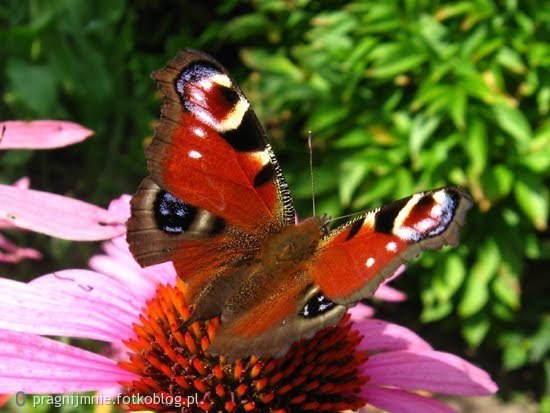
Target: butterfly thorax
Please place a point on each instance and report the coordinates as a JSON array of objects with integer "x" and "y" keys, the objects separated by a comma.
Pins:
[{"x": 292, "y": 244}]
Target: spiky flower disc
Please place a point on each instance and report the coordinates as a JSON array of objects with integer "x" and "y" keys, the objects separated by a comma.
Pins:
[{"x": 177, "y": 372}]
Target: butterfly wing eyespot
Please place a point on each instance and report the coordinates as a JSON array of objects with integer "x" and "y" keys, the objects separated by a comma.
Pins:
[{"x": 316, "y": 305}]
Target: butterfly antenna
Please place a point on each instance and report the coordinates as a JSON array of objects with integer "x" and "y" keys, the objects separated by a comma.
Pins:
[
  {"x": 347, "y": 216},
  {"x": 310, "y": 147}
]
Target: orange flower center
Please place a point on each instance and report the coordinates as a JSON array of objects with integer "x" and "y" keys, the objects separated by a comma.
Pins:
[{"x": 177, "y": 372}]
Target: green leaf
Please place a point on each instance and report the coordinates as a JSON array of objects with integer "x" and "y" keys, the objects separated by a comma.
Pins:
[
  {"x": 33, "y": 86},
  {"x": 355, "y": 138},
  {"x": 436, "y": 311},
  {"x": 497, "y": 182},
  {"x": 515, "y": 353},
  {"x": 532, "y": 196},
  {"x": 476, "y": 146},
  {"x": 538, "y": 157},
  {"x": 351, "y": 176},
  {"x": 543, "y": 100},
  {"x": 507, "y": 289},
  {"x": 396, "y": 67},
  {"x": 422, "y": 129},
  {"x": 474, "y": 329},
  {"x": 247, "y": 25},
  {"x": 511, "y": 60},
  {"x": 326, "y": 116},
  {"x": 272, "y": 63},
  {"x": 381, "y": 187},
  {"x": 541, "y": 340},
  {"x": 458, "y": 107},
  {"x": 513, "y": 121},
  {"x": 476, "y": 293},
  {"x": 453, "y": 275}
]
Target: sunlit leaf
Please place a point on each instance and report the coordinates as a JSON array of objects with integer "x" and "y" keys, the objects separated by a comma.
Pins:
[
  {"x": 513, "y": 121},
  {"x": 476, "y": 293},
  {"x": 533, "y": 196}
]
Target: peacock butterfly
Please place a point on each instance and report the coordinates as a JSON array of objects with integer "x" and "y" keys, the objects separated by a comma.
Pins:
[{"x": 217, "y": 205}]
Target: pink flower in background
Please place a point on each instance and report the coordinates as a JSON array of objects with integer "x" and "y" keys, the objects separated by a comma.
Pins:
[
  {"x": 40, "y": 134},
  {"x": 43, "y": 134},
  {"x": 124, "y": 305}
]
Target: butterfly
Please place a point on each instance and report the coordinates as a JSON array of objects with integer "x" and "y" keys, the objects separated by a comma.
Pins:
[{"x": 217, "y": 205}]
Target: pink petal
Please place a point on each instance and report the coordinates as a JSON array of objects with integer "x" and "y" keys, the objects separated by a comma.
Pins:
[
  {"x": 396, "y": 274},
  {"x": 399, "y": 401},
  {"x": 84, "y": 284},
  {"x": 383, "y": 336},
  {"x": 432, "y": 371},
  {"x": 40, "y": 134},
  {"x": 86, "y": 313},
  {"x": 35, "y": 364},
  {"x": 23, "y": 182},
  {"x": 117, "y": 250},
  {"x": 120, "y": 207},
  {"x": 387, "y": 293},
  {"x": 360, "y": 312},
  {"x": 11, "y": 253},
  {"x": 82, "y": 303},
  {"x": 57, "y": 216}
]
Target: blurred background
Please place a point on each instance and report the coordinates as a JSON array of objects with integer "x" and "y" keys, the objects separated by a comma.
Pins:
[{"x": 401, "y": 96}]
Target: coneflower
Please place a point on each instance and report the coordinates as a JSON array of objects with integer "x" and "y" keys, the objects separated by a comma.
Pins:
[{"x": 357, "y": 364}]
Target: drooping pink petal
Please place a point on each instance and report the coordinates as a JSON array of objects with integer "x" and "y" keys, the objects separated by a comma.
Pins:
[
  {"x": 387, "y": 293},
  {"x": 23, "y": 182},
  {"x": 432, "y": 371},
  {"x": 120, "y": 207},
  {"x": 117, "y": 250},
  {"x": 380, "y": 335},
  {"x": 82, "y": 312},
  {"x": 12, "y": 253},
  {"x": 396, "y": 274},
  {"x": 399, "y": 401},
  {"x": 57, "y": 216},
  {"x": 35, "y": 364},
  {"x": 360, "y": 312},
  {"x": 40, "y": 134}
]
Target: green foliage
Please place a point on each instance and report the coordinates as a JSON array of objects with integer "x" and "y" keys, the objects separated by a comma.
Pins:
[{"x": 401, "y": 96}]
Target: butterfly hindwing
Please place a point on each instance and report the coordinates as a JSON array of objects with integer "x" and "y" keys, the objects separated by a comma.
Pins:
[
  {"x": 356, "y": 258},
  {"x": 162, "y": 224}
]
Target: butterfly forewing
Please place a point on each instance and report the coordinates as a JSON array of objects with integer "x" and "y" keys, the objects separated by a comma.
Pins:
[
  {"x": 353, "y": 261},
  {"x": 210, "y": 149},
  {"x": 212, "y": 168}
]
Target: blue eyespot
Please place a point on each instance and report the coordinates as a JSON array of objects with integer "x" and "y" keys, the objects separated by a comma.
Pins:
[{"x": 173, "y": 215}]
